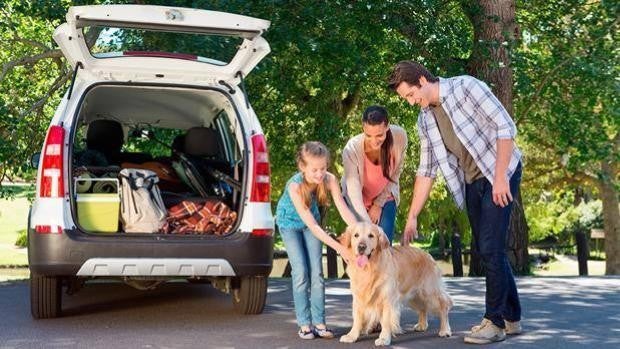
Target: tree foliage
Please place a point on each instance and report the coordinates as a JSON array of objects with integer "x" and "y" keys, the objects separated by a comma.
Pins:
[
  {"x": 329, "y": 61},
  {"x": 567, "y": 77},
  {"x": 567, "y": 74}
]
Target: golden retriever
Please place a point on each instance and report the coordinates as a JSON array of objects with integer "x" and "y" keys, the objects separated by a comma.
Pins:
[{"x": 383, "y": 278}]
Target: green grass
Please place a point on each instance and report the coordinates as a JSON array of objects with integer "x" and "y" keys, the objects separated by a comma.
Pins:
[
  {"x": 17, "y": 191},
  {"x": 13, "y": 258},
  {"x": 13, "y": 218}
]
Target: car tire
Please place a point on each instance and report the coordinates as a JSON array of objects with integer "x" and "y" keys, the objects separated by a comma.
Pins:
[
  {"x": 249, "y": 298},
  {"x": 45, "y": 296}
]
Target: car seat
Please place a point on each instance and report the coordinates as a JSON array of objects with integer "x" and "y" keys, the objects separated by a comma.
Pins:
[
  {"x": 107, "y": 138},
  {"x": 201, "y": 154},
  {"x": 203, "y": 142}
]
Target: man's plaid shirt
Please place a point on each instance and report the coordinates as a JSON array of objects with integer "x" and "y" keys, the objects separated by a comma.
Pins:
[{"x": 479, "y": 119}]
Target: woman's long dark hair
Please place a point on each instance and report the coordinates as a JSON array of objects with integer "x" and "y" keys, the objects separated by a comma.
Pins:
[{"x": 378, "y": 115}]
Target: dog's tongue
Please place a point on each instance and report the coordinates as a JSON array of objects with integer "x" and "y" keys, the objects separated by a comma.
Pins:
[{"x": 362, "y": 260}]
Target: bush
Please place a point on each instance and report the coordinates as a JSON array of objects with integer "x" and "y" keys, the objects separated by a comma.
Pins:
[
  {"x": 22, "y": 238},
  {"x": 552, "y": 214},
  {"x": 555, "y": 214}
]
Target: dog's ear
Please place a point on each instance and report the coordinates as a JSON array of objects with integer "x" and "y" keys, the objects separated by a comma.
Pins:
[
  {"x": 383, "y": 240},
  {"x": 345, "y": 238}
]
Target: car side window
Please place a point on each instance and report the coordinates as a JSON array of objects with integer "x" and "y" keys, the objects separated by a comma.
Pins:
[{"x": 227, "y": 133}]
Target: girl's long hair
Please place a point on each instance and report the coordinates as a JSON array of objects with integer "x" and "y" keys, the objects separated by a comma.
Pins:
[
  {"x": 317, "y": 150},
  {"x": 377, "y": 115}
]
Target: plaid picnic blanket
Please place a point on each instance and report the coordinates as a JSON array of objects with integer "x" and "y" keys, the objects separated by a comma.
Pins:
[{"x": 208, "y": 217}]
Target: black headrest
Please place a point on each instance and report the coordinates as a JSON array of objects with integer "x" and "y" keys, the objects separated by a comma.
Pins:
[
  {"x": 178, "y": 143},
  {"x": 105, "y": 136},
  {"x": 202, "y": 141}
]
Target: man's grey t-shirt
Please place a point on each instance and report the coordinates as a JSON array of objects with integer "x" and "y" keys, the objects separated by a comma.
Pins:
[{"x": 454, "y": 145}]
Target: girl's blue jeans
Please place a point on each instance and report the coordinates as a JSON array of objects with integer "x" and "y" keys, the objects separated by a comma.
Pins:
[{"x": 305, "y": 253}]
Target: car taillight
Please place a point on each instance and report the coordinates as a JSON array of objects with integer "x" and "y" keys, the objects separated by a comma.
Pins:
[
  {"x": 52, "y": 184},
  {"x": 261, "y": 186},
  {"x": 47, "y": 229},
  {"x": 262, "y": 232}
]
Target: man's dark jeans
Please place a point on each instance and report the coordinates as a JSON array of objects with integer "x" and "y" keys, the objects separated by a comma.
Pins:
[{"x": 489, "y": 224}]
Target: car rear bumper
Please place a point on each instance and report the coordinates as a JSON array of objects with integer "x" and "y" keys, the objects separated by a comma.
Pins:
[
  {"x": 74, "y": 253},
  {"x": 156, "y": 267}
]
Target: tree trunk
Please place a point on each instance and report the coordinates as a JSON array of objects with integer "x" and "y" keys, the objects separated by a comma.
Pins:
[
  {"x": 611, "y": 219},
  {"x": 495, "y": 32}
]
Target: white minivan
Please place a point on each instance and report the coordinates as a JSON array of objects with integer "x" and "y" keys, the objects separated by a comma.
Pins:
[{"x": 153, "y": 85}]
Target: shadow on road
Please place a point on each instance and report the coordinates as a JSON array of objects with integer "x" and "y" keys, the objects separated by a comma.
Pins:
[{"x": 558, "y": 313}]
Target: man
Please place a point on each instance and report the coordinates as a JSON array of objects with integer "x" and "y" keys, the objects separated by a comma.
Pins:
[{"x": 466, "y": 133}]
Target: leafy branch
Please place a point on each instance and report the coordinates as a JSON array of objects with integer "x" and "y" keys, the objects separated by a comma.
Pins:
[
  {"x": 533, "y": 102},
  {"x": 57, "y": 84},
  {"x": 7, "y": 67}
]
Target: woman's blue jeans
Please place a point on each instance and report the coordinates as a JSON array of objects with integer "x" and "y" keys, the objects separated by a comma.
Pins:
[
  {"x": 305, "y": 253},
  {"x": 388, "y": 219},
  {"x": 489, "y": 224}
]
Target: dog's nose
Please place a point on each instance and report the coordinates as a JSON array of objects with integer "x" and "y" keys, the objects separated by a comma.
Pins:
[{"x": 361, "y": 247}]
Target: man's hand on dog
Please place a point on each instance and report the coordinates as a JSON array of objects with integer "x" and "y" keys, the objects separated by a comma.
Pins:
[{"x": 410, "y": 232}]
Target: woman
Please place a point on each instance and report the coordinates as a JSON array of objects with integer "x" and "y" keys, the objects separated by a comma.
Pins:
[{"x": 373, "y": 161}]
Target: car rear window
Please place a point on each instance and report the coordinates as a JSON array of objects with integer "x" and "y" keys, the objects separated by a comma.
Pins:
[{"x": 109, "y": 42}]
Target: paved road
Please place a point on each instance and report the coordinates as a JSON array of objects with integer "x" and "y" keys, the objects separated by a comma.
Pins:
[{"x": 558, "y": 313}]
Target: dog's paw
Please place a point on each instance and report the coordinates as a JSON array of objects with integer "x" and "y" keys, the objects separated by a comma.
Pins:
[
  {"x": 347, "y": 338},
  {"x": 397, "y": 331},
  {"x": 380, "y": 342},
  {"x": 445, "y": 333},
  {"x": 420, "y": 327}
]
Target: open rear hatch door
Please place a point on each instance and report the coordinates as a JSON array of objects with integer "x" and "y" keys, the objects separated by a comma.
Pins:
[{"x": 120, "y": 42}]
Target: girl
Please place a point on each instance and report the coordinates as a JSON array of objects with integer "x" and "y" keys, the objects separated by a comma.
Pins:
[
  {"x": 297, "y": 216},
  {"x": 373, "y": 161}
]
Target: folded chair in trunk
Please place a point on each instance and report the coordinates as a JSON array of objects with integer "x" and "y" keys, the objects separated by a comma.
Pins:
[{"x": 202, "y": 156}]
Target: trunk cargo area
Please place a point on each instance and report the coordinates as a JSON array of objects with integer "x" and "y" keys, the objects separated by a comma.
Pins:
[{"x": 151, "y": 159}]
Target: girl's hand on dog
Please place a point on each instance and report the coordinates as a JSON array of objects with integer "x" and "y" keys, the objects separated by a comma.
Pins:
[{"x": 347, "y": 255}]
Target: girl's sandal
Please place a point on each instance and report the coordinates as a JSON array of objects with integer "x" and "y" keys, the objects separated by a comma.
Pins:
[
  {"x": 324, "y": 332},
  {"x": 306, "y": 334}
]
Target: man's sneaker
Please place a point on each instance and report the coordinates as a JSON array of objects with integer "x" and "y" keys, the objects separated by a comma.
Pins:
[
  {"x": 513, "y": 327},
  {"x": 485, "y": 333},
  {"x": 477, "y": 327},
  {"x": 306, "y": 334}
]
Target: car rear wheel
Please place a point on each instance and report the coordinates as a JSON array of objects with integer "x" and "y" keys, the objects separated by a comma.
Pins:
[
  {"x": 250, "y": 294},
  {"x": 45, "y": 296}
]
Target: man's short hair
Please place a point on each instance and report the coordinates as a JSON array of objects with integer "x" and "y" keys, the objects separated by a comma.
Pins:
[{"x": 409, "y": 72}]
